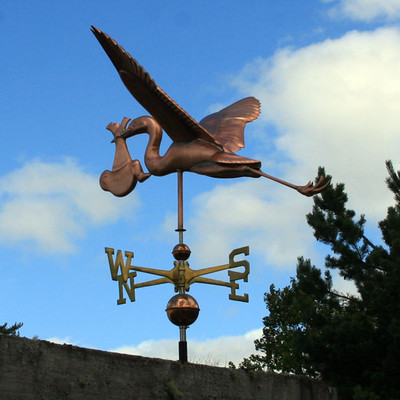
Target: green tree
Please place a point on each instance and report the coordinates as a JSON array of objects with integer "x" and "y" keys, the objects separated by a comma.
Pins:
[
  {"x": 351, "y": 341},
  {"x": 12, "y": 330}
]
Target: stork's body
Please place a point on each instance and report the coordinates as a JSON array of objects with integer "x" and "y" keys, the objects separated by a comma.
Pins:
[{"x": 197, "y": 156}]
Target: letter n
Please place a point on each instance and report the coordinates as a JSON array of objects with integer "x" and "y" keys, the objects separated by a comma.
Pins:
[{"x": 129, "y": 288}]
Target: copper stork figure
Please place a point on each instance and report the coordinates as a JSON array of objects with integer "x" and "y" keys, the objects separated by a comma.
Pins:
[{"x": 206, "y": 148}]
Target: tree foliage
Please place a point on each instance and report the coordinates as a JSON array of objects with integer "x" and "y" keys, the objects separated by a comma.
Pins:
[
  {"x": 351, "y": 341},
  {"x": 11, "y": 330}
]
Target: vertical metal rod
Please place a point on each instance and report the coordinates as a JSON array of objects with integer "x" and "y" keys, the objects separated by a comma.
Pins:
[
  {"x": 183, "y": 356},
  {"x": 180, "y": 206},
  {"x": 182, "y": 333}
]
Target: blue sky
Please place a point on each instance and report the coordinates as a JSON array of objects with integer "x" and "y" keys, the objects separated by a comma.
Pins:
[{"x": 327, "y": 75}]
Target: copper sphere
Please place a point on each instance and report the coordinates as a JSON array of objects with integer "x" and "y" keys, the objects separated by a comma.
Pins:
[
  {"x": 181, "y": 252},
  {"x": 182, "y": 309}
]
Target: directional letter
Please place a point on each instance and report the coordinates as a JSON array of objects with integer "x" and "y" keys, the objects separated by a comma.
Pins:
[
  {"x": 234, "y": 275},
  {"x": 130, "y": 289},
  {"x": 119, "y": 263}
]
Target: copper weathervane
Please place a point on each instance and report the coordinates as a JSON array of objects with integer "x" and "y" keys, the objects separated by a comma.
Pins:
[{"x": 208, "y": 148}]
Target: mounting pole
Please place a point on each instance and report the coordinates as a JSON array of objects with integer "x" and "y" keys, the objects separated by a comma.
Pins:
[
  {"x": 180, "y": 229},
  {"x": 183, "y": 355},
  {"x": 182, "y": 329}
]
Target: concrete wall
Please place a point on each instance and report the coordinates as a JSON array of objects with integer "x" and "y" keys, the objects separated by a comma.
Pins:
[{"x": 36, "y": 369}]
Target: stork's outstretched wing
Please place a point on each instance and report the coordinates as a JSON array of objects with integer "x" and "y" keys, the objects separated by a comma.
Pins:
[
  {"x": 176, "y": 122},
  {"x": 227, "y": 126}
]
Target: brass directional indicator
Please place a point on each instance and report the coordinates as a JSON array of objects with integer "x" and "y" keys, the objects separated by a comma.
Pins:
[
  {"x": 182, "y": 309},
  {"x": 181, "y": 276}
]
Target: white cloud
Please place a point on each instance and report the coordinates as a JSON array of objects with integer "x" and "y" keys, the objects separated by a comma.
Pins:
[
  {"x": 259, "y": 213},
  {"x": 343, "y": 286},
  {"x": 217, "y": 351},
  {"x": 336, "y": 104},
  {"x": 52, "y": 205},
  {"x": 366, "y": 10}
]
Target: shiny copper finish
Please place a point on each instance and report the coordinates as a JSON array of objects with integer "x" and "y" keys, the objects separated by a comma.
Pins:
[
  {"x": 125, "y": 171},
  {"x": 180, "y": 229},
  {"x": 205, "y": 148},
  {"x": 199, "y": 156},
  {"x": 181, "y": 252},
  {"x": 182, "y": 310}
]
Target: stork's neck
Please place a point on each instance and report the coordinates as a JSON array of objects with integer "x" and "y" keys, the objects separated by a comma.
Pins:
[{"x": 152, "y": 154}]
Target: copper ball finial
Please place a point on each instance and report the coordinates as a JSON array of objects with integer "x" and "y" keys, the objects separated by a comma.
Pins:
[
  {"x": 182, "y": 309},
  {"x": 181, "y": 252}
]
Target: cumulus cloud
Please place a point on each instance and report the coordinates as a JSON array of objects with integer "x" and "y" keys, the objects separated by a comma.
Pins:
[
  {"x": 334, "y": 104},
  {"x": 217, "y": 351},
  {"x": 256, "y": 212},
  {"x": 366, "y": 10},
  {"x": 51, "y": 205},
  {"x": 337, "y": 104}
]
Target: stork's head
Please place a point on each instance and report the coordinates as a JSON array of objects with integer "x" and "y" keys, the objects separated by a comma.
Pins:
[{"x": 136, "y": 127}]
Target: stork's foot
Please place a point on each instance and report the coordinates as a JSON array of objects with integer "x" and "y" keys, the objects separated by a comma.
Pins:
[{"x": 311, "y": 189}]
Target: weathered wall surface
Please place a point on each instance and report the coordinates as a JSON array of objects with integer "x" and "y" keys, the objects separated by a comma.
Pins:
[{"x": 36, "y": 369}]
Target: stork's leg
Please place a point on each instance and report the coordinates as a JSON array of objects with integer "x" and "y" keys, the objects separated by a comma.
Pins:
[{"x": 307, "y": 190}]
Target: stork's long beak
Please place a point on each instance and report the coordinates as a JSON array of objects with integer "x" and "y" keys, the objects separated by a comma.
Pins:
[
  {"x": 129, "y": 132},
  {"x": 126, "y": 133},
  {"x": 133, "y": 129}
]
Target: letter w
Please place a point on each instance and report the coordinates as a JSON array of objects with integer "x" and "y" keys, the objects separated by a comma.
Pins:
[{"x": 119, "y": 263}]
